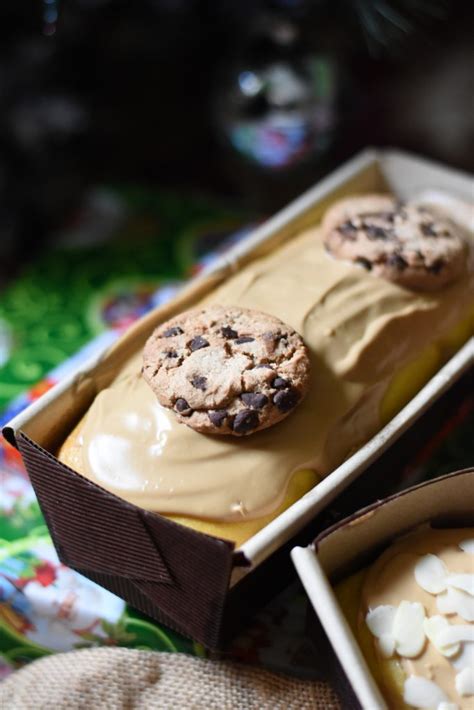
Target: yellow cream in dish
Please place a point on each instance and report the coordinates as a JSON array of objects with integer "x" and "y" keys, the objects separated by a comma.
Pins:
[
  {"x": 412, "y": 612},
  {"x": 372, "y": 344}
]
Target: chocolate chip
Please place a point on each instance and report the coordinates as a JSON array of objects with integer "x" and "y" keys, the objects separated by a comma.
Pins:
[
  {"x": 256, "y": 400},
  {"x": 428, "y": 230},
  {"x": 245, "y": 421},
  {"x": 397, "y": 261},
  {"x": 279, "y": 383},
  {"x": 271, "y": 340},
  {"x": 244, "y": 339},
  {"x": 171, "y": 353},
  {"x": 172, "y": 331},
  {"x": 183, "y": 407},
  {"x": 362, "y": 261},
  {"x": 436, "y": 266},
  {"x": 200, "y": 383},
  {"x": 286, "y": 399},
  {"x": 197, "y": 343},
  {"x": 400, "y": 208},
  {"x": 217, "y": 416},
  {"x": 348, "y": 230},
  {"x": 229, "y": 332},
  {"x": 263, "y": 365},
  {"x": 374, "y": 232}
]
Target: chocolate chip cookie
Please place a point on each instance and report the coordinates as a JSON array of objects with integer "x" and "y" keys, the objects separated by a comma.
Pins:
[
  {"x": 227, "y": 370},
  {"x": 408, "y": 243}
]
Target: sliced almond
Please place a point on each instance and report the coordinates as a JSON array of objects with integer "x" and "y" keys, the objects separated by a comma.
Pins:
[
  {"x": 380, "y": 620},
  {"x": 431, "y": 573},
  {"x": 462, "y": 581},
  {"x": 455, "y": 601},
  {"x": 386, "y": 645},
  {"x": 467, "y": 545},
  {"x": 423, "y": 693},
  {"x": 454, "y": 633},
  {"x": 465, "y": 658},
  {"x": 408, "y": 629},
  {"x": 445, "y": 602},
  {"x": 464, "y": 682},
  {"x": 432, "y": 627}
]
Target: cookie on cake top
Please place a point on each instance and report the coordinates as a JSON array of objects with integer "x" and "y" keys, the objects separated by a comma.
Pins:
[
  {"x": 227, "y": 370},
  {"x": 408, "y": 243}
]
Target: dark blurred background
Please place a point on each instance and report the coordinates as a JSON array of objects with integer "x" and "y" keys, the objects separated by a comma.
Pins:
[{"x": 251, "y": 101}]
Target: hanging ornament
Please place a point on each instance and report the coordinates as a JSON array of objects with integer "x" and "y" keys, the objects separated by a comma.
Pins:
[
  {"x": 50, "y": 17},
  {"x": 276, "y": 107}
]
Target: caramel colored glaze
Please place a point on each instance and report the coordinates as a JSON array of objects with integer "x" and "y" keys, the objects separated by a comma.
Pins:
[
  {"x": 390, "y": 580},
  {"x": 360, "y": 330}
]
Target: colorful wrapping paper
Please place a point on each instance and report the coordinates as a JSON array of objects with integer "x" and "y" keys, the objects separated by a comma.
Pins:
[{"x": 71, "y": 303}]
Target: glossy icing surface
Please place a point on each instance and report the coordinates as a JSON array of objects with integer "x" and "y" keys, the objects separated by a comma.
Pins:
[{"x": 360, "y": 331}]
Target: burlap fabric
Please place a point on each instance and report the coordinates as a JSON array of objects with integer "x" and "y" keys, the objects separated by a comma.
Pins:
[{"x": 120, "y": 678}]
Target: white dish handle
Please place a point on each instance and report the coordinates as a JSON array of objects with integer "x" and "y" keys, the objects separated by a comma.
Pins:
[{"x": 325, "y": 604}]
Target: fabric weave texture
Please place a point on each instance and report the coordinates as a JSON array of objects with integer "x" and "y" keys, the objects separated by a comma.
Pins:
[{"x": 122, "y": 679}]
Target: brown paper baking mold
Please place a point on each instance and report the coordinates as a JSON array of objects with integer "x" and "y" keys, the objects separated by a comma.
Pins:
[{"x": 158, "y": 566}]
